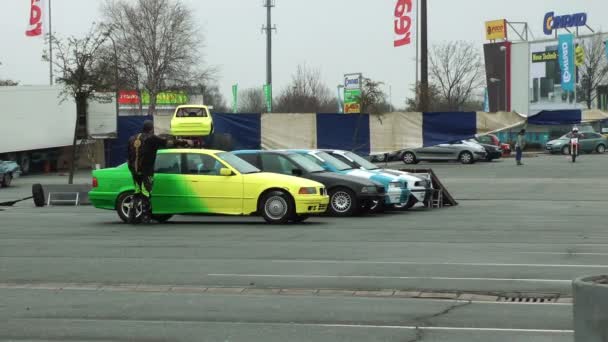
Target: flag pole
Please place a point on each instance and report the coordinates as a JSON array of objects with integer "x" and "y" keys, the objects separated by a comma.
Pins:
[{"x": 50, "y": 45}]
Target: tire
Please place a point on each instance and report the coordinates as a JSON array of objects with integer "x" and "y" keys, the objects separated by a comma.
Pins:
[
  {"x": 409, "y": 158},
  {"x": 300, "y": 218},
  {"x": 566, "y": 150},
  {"x": 342, "y": 202},
  {"x": 466, "y": 157},
  {"x": 38, "y": 195},
  {"x": 122, "y": 204},
  {"x": 406, "y": 206},
  {"x": 601, "y": 148},
  {"x": 6, "y": 180},
  {"x": 277, "y": 207},
  {"x": 380, "y": 158},
  {"x": 161, "y": 218}
]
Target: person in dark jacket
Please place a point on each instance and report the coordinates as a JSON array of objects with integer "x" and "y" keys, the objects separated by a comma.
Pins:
[
  {"x": 142, "y": 150},
  {"x": 520, "y": 144}
]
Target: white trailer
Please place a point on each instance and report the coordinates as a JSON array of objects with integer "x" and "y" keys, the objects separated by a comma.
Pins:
[{"x": 37, "y": 120}]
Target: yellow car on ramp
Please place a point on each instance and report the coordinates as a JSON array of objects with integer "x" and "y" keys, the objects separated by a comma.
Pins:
[{"x": 191, "y": 121}]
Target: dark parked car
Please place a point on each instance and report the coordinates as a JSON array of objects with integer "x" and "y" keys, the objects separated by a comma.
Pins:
[
  {"x": 492, "y": 151},
  {"x": 347, "y": 194}
]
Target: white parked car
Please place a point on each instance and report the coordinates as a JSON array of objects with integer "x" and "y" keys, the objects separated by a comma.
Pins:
[{"x": 462, "y": 151}]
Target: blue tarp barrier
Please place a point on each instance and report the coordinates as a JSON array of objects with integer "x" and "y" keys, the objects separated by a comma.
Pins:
[
  {"x": 245, "y": 129},
  {"x": 443, "y": 127},
  {"x": 344, "y": 132},
  {"x": 117, "y": 148},
  {"x": 556, "y": 117}
]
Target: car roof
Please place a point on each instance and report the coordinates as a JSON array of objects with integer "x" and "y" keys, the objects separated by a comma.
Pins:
[
  {"x": 260, "y": 151},
  {"x": 192, "y": 106},
  {"x": 190, "y": 150}
]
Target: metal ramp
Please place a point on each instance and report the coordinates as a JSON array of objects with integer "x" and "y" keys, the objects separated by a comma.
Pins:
[
  {"x": 439, "y": 196},
  {"x": 64, "y": 198}
]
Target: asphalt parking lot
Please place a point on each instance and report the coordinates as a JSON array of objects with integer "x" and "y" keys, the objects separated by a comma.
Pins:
[{"x": 425, "y": 275}]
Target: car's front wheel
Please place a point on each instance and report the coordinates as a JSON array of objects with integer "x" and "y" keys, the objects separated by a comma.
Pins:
[
  {"x": 600, "y": 148},
  {"x": 124, "y": 205},
  {"x": 342, "y": 202},
  {"x": 7, "y": 180},
  {"x": 466, "y": 157},
  {"x": 407, "y": 205},
  {"x": 277, "y": 208},
  {"x": 409, "y": 158},
  {"x": 566, "y": 149}
]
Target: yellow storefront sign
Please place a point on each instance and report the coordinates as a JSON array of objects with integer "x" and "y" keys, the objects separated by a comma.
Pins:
[{"x": 496, "y": 29}]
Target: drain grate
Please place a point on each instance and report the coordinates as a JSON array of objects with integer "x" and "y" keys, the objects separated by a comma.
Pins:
[{"x": 529, "y": 298}]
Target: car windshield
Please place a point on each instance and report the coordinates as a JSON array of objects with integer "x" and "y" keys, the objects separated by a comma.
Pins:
[
  {"x": 239, "y": 164},
  {"x": 191, "y": 113},
  {"x": 338, "y": 164},
  {"x": 305, "y": 163},
  {"x": 362, "y": 162}
]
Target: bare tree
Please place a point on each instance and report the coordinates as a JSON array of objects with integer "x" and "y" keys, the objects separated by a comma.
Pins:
[
  {"x": 306, "y": 93},
  {"x": 457, "y": 72},
  {"x": 159, "y": 42},
  {"x": 82, "y": 73},
  {"x": 594, "y": 71},
  {"x": 373, "y": 98},
  {"x": 7, "y": 83},
  {"x": 252, "y": 100}
]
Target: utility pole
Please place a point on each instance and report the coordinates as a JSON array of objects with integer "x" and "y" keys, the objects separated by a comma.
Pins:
[
  {"x": 50, "y": 45},
  {"x": 424, "y": 58},
  {"x": 269, "y": 4}
]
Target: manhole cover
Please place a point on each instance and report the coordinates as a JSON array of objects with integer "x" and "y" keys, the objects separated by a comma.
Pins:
[{"x": 529, "y": 298}]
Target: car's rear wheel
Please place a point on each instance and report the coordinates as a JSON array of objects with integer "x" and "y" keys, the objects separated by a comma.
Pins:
[
  {"x": 277, "y": 207},
  {"x": 466, "y": 158},
  {"x": 342, "y": 202},
  {"x": 124, "y": 206},
  {"x": 409, "y": 158},
  {"x": 600, "y": 148},
  {"x": 566, "y": 149},
  {"x": 7, "y": 180}
]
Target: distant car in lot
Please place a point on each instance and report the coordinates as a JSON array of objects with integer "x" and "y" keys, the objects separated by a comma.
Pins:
[
  {"x": 492, "y": 151},
  {"x": 9, "y": 170},
  {"x": 418, "y": 186},
  {"x": 209, "y": 182},
  {"x": 395, "y": 188},
  {"x": 589, "y": 142},
  {"x": 491, "y": 139},
  {"x": 191, "y": 121},
  {"x": 348, "y": 195},
  {"x": 462, "y": 151}
]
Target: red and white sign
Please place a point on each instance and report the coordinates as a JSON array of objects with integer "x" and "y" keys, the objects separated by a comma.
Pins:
[
  {"x": 36, "y": 27},
  {"x": 404, "y": 23},
  {"x": 128, "y": 97}
]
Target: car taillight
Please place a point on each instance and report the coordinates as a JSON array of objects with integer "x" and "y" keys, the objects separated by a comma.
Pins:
[{"x": 95, "y": 183}]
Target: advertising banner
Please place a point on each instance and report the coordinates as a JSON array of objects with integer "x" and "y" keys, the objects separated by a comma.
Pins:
[
  {"x": 235, "y": 94},
  {"x": 404, "y": 22},
  {"x": 35, "y": 27},
  {"x": 496, "y": 29},
  {"x": 566, "y": 61},
  {"x": 497, "y": 75},
  {"x": 352, "y": 93},
  {"x": 606, "y": 46},
  {"x": 128, "y": 97},
  {"x": 268, "y": 97},
  {"x": 166, "y": 98}
]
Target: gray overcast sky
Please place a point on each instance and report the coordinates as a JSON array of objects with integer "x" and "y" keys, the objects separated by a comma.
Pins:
[{"x": 336, "y": 36}]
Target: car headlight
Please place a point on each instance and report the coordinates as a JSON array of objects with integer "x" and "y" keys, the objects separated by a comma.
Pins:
[
  {"x": 308, "y": 191},
  {"x": 368, "y": 189}
]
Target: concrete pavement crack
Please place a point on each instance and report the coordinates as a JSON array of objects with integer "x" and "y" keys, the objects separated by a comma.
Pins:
[{"x": 424, "y": 320}]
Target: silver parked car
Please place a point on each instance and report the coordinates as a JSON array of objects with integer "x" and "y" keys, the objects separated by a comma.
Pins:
[
  {"x": 465, "y": 152},
  {"x": 8, "y": 171}
]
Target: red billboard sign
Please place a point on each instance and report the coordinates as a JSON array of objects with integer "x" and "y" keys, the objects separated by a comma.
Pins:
[
  {"x": 403, "y": 22},
  {"x": 128, "y": 97}
]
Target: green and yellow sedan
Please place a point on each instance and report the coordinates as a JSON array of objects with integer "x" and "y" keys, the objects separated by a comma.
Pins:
[{"x": 209, "y": 182}]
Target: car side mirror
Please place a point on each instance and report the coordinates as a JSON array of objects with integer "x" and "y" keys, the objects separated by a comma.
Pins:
[
  {"x": 225, "y": 172},
  {"x": 297, "y": 172}
]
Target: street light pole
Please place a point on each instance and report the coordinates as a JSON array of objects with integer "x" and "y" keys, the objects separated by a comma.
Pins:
[{"x": 505, "y": 78}]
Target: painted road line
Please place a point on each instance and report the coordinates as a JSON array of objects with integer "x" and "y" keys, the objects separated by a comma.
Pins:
[
  {"x": 313, "y": 276},
  {"x": 363, "y": 262}
]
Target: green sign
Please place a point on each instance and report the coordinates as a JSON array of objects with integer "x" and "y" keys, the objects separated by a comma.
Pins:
[
  {"x": 542, "y": 57},
  {"x": 166, "y": 98},
  {"x": 235, "y": 94},
  {"x": 352, "y": 101},
  {"x": 268, "y": 96}
]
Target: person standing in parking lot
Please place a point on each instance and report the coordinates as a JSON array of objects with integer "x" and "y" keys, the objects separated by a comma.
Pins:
[{"x": 520, "y": 144}]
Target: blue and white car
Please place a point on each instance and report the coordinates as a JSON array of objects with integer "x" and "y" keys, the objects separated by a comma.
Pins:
[
  {"x": 397, "y": 192},
  {"x": 419, "y": 187}
]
